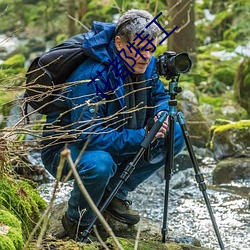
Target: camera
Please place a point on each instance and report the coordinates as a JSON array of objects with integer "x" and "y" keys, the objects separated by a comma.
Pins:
[{"x": 171, "y": 65}]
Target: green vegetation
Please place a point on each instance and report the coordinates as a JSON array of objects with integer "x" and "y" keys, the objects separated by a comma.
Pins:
[
  {"x": 11, "y": 237},
  {"x": 22, "y": 200}
]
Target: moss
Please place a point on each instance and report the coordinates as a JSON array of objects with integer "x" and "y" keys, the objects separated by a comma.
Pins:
[
  {"x": 128, "y": 244},
  {"x": 10, "y": 220},
  {"x": 22, "y": 200},
  {"x": 224, "y": 75},
  {"x": 228, "y": 45},
  {"x": 219, "y": 103},
  {"x": 16, "y": 237},
  {"x": 13, "y": 239},
  {"x": 6, "y": 243},
  {"x": 17, "y": 61},
  {"x": 212, "y": 100},
  {"x": 13, "y": 71},
  {"x": 236, "y": 125}
]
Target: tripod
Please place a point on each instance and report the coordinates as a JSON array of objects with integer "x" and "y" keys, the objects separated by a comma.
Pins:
[
  {"x": 169, "y": 163},
  {"x": 173, "y": 90}
]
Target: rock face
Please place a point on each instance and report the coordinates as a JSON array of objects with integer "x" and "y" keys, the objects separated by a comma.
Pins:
[
  {"x": 230, "y": 143},
  {"x": 232, "y": 139}
]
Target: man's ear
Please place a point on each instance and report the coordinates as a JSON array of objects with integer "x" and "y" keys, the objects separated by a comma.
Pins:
[{"x": 118, "y": 43}]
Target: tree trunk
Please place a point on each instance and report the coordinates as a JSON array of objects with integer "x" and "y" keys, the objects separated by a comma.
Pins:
[
  {"x": 72, "y": 13},
  {"x": 83, "y": 7},
  {"x": 182, "y": 15}
]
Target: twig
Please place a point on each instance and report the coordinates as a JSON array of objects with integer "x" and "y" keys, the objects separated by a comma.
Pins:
[
  {"x": 187, "y": 22},
  {"x": 66, "y": 154},
  {"x": 99, "y": 238},
  {"x": 137, "y": 236},
  {"x": 77, "y": 21}
]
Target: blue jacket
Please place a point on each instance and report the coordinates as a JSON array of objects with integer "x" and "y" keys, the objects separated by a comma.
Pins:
[{"x": 105, "y": 132}]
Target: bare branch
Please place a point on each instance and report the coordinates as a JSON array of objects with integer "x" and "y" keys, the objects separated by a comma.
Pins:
[
  {"x": 79, "y": 22},
  {"x": 66, "y": 154}
]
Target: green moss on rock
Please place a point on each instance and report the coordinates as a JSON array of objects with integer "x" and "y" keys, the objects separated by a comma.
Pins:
[
  {"x": 12, "y": 238},
  {"x": 22, "y": 200},
  {"x": 230, "y": 139},
  {"x": 6, "y": 243}
]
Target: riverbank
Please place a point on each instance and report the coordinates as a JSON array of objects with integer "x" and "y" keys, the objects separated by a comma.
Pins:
[{"x": 188, "y": 215}]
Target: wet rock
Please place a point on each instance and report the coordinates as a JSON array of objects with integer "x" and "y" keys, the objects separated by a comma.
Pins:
[
  {"x": 181, "y": 179},
  {"x": 231, "y": 169}
]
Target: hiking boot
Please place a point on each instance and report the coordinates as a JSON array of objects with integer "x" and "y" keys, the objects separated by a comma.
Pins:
[
  {"x": 121, "y": 211},
  {"x": 75, "y": 231}
]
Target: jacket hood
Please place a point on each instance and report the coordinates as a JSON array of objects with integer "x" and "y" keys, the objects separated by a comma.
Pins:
[{"x": 98, "y": 42}]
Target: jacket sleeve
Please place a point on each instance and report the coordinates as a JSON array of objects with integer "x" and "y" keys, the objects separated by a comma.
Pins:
[{"x": 88, "y": 118}]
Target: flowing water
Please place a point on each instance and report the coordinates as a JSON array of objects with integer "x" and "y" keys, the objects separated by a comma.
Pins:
[{"x": 187, "y": 212}]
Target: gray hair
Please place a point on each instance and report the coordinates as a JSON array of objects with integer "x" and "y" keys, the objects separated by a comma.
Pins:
[{"x": 135, "y": 21}]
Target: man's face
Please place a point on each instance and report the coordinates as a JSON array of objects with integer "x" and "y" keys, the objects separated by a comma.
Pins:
[{"x": 141, "y": 64}]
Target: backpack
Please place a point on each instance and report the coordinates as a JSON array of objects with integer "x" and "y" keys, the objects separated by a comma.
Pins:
[{"x": 48, "y": 73}]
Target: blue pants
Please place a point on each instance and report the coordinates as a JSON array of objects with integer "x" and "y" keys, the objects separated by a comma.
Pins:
[{"x": 99, "y": 171}]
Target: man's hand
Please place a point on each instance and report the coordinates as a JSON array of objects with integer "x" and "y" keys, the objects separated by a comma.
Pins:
[{"x": 164, "y": 128}]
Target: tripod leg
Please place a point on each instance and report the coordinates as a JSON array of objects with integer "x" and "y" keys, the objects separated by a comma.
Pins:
[
  {"x": 129, "y": 169},
  {"x": 199, "y": 177},
  {"x": 168, "y": 173}
]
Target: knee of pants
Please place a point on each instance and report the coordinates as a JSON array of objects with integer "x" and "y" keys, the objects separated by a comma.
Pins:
[
  {"x": 97, "y": 165},
  {"x": 179, "y": 142}
]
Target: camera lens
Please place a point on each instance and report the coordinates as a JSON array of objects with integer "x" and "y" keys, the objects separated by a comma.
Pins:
[{"x": 182, "y": 63}]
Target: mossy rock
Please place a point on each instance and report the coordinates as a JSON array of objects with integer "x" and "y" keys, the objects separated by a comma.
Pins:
[
  {"x": 232, "y": 139},
  {"x": 22, "y": 200},
  {"x": 231, "y": 169},
  {"x": 10, "y": 231},
  {"x": 221, "y": 107}
]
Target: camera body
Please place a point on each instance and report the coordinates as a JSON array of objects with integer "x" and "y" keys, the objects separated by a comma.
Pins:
[{"x": 171, "y": 65}]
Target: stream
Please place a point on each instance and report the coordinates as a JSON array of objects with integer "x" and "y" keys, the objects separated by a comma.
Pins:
[{"x": 187, "y": 212}]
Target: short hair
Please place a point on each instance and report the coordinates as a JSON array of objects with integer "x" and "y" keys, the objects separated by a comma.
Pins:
[{"x": 134, "y": 21}]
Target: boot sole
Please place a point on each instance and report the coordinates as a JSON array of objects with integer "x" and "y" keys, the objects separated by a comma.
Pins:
[{"x": 121, "y": 219}]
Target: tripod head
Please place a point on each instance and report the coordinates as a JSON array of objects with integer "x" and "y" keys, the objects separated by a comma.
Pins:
[{"x": 174, "y": 89}]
